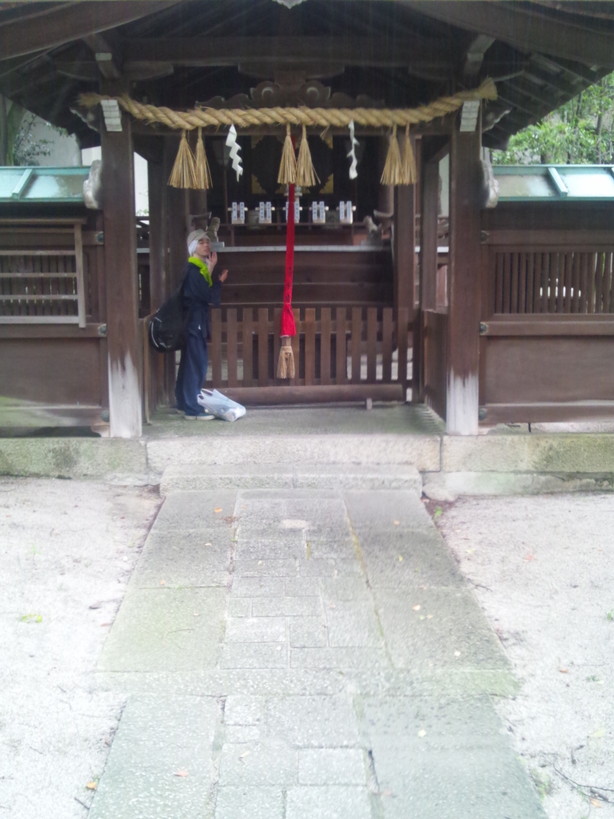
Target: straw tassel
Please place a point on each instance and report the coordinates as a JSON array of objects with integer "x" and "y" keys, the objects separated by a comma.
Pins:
[
  {"x": 306, "y": 175},
  {"x": 408, "y": 160},
  {"x": 183, "y": 174},
  {"x": 287, "y": 167},
  {"x": 392, "y": 173},
  {"x": 285, "y": 361},
  {"x": 203, "y": 174}
]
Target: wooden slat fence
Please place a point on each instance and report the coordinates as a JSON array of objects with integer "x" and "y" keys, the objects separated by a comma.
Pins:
[
  {"x": 571, "y": 280},
  {"x": 333, "y": 346},
  {"x": 43, "y": 286},
  {"x": 547, "y": 329}
]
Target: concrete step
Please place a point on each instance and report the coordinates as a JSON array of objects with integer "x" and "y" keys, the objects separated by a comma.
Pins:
[{"x": 182, "y": 477}]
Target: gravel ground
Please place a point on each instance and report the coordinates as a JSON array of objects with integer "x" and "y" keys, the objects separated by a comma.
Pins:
[
  {"x": 66, "y": 552},
  {"x": 542, "y": 569}
]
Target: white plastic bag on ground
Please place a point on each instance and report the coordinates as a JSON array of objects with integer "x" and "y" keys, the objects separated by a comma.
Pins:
[{"x": 220, "y": 405}]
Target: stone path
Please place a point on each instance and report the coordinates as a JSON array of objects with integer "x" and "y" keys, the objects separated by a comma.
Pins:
[{"x": 312, "y": 653}]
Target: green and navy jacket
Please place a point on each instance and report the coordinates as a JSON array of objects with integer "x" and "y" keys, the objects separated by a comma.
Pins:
[{"x": 200, "y": 290}]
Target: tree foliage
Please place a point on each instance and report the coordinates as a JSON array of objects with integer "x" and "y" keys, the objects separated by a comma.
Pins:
[
  {"x": 18, "y": 143},
  {"x": 581, "y": 132}
]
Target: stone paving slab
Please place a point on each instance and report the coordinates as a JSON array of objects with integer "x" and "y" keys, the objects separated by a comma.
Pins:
[
  {"x": 201, "y": 511},
  {"x": 160, "y": 765},
  {"x": 437, "y": 628},
  {"x": 372, "y": 680},
  {"x": 250, "y": 802},
  {"x": 189, "y": 561},
  {"x": 406, "y": 560},
  {"x": 179, "y": 477},
  {"x": 342, "y": 667},
  {"x": 386, "y": 510},
  {"x": 165, "y": 628}
]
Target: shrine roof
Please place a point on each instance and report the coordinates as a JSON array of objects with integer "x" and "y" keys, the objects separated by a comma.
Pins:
[
  {"x": 42, "y": 184},
  {"x": 251, "y": 53},
  {"x": 521, "y": 183}
]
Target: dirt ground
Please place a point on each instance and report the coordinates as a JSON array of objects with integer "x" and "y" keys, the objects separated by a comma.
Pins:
[
  {"x": 67, "y": 549},
  {"x": 540, "y": 567}
]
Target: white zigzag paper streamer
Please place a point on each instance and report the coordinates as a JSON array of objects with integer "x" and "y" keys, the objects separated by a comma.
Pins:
[
  {"x": 235, "y": 151},
  {"x": 352, "y": 153}
]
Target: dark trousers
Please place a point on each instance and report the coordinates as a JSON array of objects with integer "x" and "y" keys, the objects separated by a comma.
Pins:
[{"x": 192, "y": 373}]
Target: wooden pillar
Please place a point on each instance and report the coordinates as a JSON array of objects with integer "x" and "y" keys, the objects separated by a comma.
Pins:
[
  {"x": 123, "y": 343},
  {"x": 158, "y": 246},
  {"x": 429, "y": 212},
  {"x": 404, "y": 270},
  {"x": 163, "y": 369},
  {"x": 385, "y": 193},
  {"x": 428, "y": 237},
  {"x": 462, "y": 349}
]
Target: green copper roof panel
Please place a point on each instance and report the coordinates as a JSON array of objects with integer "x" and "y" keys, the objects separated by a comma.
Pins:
[
  {"x": 42, "y": 184},
  {"x": 554, "y": 182}
]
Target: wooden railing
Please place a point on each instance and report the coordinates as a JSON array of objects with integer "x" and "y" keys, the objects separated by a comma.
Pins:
[{"x": 334, "y": 346}]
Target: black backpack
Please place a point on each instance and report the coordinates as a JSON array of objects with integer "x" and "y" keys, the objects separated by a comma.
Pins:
[{"x": 167, "y": 326}]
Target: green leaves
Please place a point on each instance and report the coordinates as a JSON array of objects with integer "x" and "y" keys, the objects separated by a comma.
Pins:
[
  {"x": 581, "y": 132},
  {"x": 31, "y": 618}
]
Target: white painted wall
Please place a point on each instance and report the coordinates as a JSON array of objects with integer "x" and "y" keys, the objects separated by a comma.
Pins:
[{"x": 141, "y": 189}]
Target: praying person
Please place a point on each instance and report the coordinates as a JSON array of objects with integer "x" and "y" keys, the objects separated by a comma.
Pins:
[{"x": 202, "y": 288}]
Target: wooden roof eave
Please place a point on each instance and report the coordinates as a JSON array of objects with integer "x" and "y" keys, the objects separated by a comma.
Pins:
[
  {"x": 471, "y": 40},
  {"x": 61, "y": 23},
  {"x": 531, "y": 29}
]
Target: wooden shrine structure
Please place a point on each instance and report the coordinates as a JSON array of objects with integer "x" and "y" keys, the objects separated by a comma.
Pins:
[{"x": 501, "y": 312}]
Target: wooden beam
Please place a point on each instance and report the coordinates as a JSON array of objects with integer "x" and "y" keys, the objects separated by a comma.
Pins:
[
  {"x": 48, "y": 28},
  {"x": 230, "y": 51},
  {"x": 291, "y": 394},
  {"x": 107, "y": 61},
  {"x": 525, "y": 28},
  {"x": 474, "y": 56},
  {"x": 561, "y": 67},
  {"x": 516, "y": 101},
  {"x": 8, "y": 67}
]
